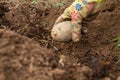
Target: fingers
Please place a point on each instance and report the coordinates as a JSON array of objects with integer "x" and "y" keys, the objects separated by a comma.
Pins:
[{"x": 75, "y": 36}]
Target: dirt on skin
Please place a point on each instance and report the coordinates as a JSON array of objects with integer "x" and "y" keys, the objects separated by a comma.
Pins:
[{"x": 95, "y": 57}]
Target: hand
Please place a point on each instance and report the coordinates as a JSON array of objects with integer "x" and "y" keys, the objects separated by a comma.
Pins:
[
  {"x": 76, "y": 31},
  {"x": 75, "y": 35}
]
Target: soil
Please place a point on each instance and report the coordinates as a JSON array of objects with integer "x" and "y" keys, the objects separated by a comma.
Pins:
[{"x": 27, "y": 51}]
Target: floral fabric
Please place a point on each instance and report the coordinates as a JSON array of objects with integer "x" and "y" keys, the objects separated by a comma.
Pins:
[{"x": 79, "y": 10}]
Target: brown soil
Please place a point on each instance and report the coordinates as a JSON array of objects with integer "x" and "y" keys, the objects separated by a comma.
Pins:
[{"x": 30, "y": 54}]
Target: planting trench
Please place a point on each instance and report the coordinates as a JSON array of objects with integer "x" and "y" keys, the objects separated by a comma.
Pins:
[{"x": 27, "y": 51}]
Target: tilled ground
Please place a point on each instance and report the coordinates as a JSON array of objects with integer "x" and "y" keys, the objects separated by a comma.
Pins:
[{"x": 30, "y": 54}]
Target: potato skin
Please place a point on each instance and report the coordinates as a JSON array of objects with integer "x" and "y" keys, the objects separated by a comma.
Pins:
[{"x": 62, "y": 31}]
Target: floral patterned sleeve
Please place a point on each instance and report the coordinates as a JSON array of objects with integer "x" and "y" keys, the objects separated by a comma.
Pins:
[
  {"x": 80, "y": 9},
  {"x": 64, "y": 16}
]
